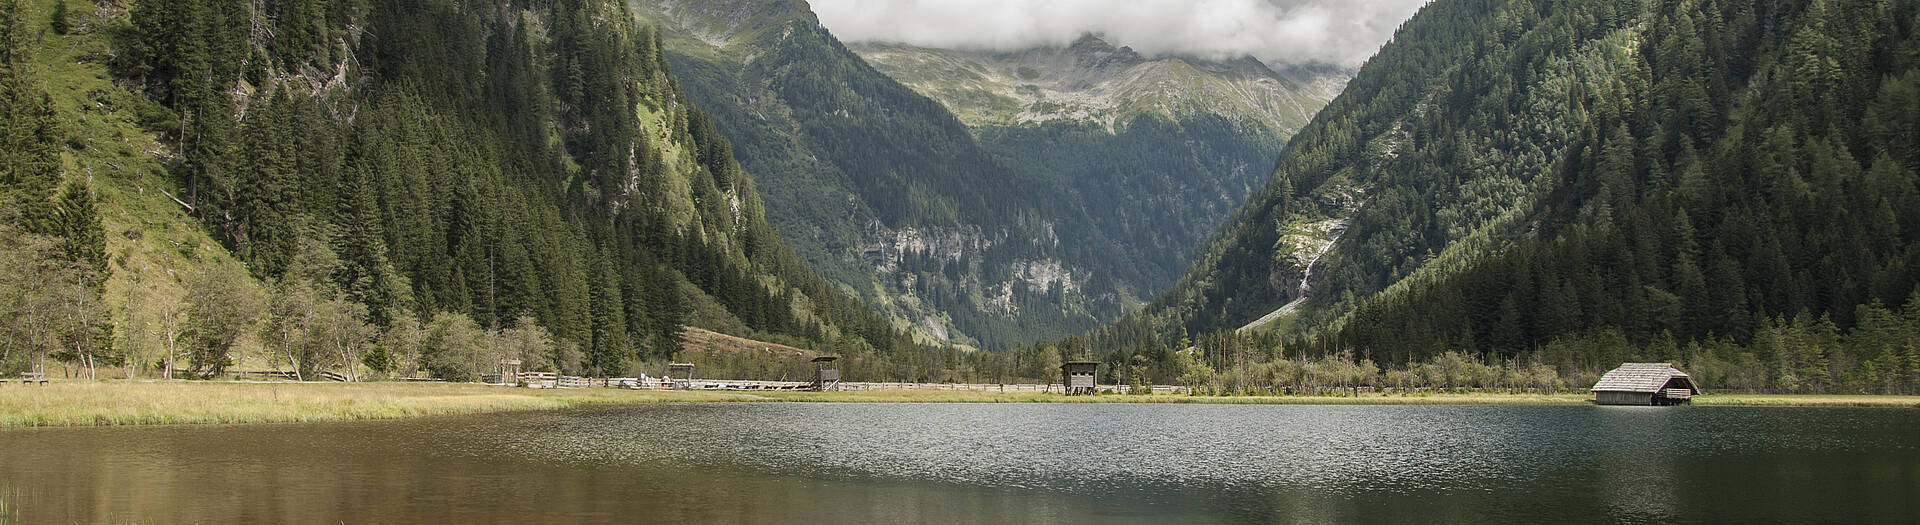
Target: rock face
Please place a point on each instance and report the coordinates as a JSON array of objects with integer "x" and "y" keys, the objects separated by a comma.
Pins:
[
  {"x": 1154, "y": 151},
  {"x": 886, "y": 248},
  {"x": 1299, "y": 252},
  {"x": 878, "y": 187},
  {"x": 1044, "y": 193}
]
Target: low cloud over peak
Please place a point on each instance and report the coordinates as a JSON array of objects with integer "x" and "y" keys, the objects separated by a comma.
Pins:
[{"x": 1339, "y": 32}]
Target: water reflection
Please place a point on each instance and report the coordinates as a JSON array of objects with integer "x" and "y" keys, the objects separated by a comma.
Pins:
[
  {"x": 979, "y": 463},
  {"x": 1641, "y": 480}
]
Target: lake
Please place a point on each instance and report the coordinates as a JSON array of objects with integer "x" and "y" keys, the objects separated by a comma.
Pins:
[{"x": 870, "y": 463}]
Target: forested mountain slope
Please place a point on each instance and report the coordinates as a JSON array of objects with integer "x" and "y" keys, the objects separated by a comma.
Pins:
[
  {"x": 400, "y": 186},
  {"x": 1016, "y": 219},
  {"x": 1154, "y": 152},
  {"x": 882, "y": 189},
  {"x": 1592, "y": 180}
]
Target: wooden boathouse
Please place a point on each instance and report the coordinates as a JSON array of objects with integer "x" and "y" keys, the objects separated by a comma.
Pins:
[
  {"x": 1645, "y": 384},
  {"x": 1078, "y": 377}
]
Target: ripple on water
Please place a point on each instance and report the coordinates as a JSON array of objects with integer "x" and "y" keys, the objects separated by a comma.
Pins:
[
  {"x": 1074, "y": 447},
  {"x": 996, "y": 462}
]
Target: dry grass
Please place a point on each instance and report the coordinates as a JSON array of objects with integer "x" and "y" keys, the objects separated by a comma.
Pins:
[
  {"x": 1478, "y": 398},
  {"x": 87, "y": 403},
  {"x": 709, "y": 342},
  {"x": 1807, "y": 400}
]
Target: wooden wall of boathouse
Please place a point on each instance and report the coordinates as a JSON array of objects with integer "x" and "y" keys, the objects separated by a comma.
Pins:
[{"x": 1624, "y": 398}]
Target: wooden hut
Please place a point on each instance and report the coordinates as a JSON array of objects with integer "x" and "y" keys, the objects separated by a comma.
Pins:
[
  {"x": 681, "y": 374},
  {"x": 826, "y": 374},
  {"x": 1644, "y": 384},
  {"x": 1078, "y": 377},
  {"x": 506, "y": 371}
]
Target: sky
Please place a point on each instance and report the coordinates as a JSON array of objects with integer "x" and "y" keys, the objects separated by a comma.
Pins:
[{"x": 1338, "y": 32}]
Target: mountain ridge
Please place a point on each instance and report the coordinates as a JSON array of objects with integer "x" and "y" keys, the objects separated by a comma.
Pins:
[
  {"x": 909, "y": 187},
  {"x": 1091, "y": 80}
]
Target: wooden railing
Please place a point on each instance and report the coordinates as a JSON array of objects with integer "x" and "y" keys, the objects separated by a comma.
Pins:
[{"x": 30, "y": 378}]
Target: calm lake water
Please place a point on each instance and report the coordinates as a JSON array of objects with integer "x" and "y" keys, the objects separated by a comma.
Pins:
[{"x": 800, "y": 463}]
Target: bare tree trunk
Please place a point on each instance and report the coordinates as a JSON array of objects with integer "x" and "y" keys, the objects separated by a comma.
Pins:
[
  {"x": 79, "y": 319},
  {"x": 341, "y": 345},
  {"x": 291, "y": 359},
  {"x": 171, "y": 337},
  {"x": 170, "y": 323}
]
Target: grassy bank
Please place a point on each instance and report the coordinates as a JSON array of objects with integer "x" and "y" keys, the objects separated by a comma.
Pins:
[
  {"x": 1477, "y": 398},
  {"x": 1807, "y": 400},
  {"x": 947, "y": 396},
  {"x": 86, "y": 403}
]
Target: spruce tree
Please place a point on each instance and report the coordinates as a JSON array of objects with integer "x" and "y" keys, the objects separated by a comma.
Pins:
[
  {"x": 667, "y": 310},
  {"x": 62, "y": 21},
  {"x": 608, "y": 352},
  {"x": 78, "y": 225},
  {"x": 30, "y": 134}
]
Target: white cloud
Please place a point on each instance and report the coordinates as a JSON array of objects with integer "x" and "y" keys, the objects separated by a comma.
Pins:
[{"x": 1341, "y": 32}]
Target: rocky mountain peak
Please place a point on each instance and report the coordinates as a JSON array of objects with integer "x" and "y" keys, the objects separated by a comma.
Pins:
[{"x": 1092, "y": 52}]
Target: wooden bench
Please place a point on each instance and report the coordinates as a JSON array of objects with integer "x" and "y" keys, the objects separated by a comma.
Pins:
[{"x": 33, "y": 377}]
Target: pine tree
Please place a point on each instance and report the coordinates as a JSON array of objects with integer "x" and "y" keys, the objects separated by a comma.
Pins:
[
  {"x": 62, "y": 21},
  {"x": 365, "y": 273},
  {"x": 667, "y": 310},
  {"x": 1725, "y": 312},
  {"x": 30, "y": 135},
  {"x": 608, "y": 351},
  {"x": 81, "y": 239},
  {"x": 263, "y": 230},
  {"x": 1509, "y": 333}
]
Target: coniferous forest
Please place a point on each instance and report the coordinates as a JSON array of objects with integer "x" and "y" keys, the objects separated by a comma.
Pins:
[
  {"x": 1525, "y": 192},
  {"x": 1724, "y": 183},
  {"x": 401, "y": 187}
]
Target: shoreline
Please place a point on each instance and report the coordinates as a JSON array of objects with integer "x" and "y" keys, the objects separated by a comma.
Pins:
[{"x": 153, "y": 402}]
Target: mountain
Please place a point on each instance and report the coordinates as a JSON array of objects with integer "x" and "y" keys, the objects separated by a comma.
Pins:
[
  {"x": 1153, "y": 152},
  {"x": 380, "y": 186},
  {"x": 1091, "y": 81},
  {"x": 881, "y": 188},
  {"x": 967, "y": 235},
  {"x": 1728, "y": 183}
]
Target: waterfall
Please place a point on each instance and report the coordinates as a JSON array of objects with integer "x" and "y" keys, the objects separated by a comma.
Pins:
[{"x": 1306, "y": 282}]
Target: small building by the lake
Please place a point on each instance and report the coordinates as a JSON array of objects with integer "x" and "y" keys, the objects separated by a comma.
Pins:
[
  {"x": 1644, "y": 384},
  {"x": 1078, "y": 377},
  {"x": 507, "y": 371},
  {"x": 680, "y": 375},
  {"x": 826, "y": 375}
]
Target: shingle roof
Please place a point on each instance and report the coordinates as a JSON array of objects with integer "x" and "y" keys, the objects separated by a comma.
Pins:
[{"x": 1639, "y": 377}]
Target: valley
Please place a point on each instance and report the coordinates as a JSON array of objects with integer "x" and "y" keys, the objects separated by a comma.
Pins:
[
  {"x": 973, "y": 261},
  {"x": 1532, "y": 190},
  {"x": 988, "y": 228}
]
